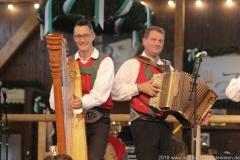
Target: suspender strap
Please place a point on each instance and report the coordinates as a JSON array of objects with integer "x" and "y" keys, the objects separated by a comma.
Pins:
[
  {"x": 164, "y": 68},
  {"x": 93, "y": 69},
  {"x": 147, "y": 71},
  {"x": 73, "y": 57}
]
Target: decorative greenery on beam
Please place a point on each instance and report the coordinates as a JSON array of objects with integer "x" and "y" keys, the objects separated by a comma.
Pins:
[
  {"x": 135, "y": 19},
  {"x": 213, "y": 52},
  {"x": 222, "y": 51},
  {"x": 21, "y": 84}
]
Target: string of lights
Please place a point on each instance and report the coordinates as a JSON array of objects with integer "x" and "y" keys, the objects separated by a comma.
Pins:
[
  {"x": 170, "y": 3},
  {"x": 198, "y": 2},
  {"x": 11, "y": 6}
]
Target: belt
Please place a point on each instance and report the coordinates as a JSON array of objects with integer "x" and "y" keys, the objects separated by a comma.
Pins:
[
  {"x": 134, "y": 115},
  {"x": 105, "y": 112},
  {"x": 94, "y": 114},
  {"x": 151, "y": 118}
]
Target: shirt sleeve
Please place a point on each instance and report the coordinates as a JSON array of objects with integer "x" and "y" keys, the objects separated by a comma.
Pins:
[
  {"x": 124, "y": 87},
  {"x": 51, "y": 99},
  {"x": 233, "y": 89},
  {"x": 102, "y": 85}
]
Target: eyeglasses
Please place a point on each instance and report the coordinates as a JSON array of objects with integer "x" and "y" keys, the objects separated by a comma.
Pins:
[{"x": 79, "y": 37}]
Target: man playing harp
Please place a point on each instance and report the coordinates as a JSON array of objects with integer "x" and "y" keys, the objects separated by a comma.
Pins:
[{"x": 97, "y": 74}]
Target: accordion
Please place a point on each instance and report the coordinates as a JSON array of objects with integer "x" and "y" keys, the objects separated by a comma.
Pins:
[{"x": 174, "y": 93}]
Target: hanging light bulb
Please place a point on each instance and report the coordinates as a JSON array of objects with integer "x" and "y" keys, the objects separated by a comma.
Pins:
[
  {"x": 36, "y": 5},
  {"x": 199, "y": 2},
  {"x": 170, "y": 3},
  {"x": 10, "y": 6},
  {"x": 229, "y": 2},
  {"x": 143, "y": 2}
]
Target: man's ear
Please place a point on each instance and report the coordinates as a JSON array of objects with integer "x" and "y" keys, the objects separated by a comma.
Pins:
[{"x": 93, "y": 36}]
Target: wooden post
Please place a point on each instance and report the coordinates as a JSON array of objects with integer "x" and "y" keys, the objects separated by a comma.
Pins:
[
  {"x": 179, "y": 34},
  {"x": 41, "y": 140},
  {"x": 198, "y": 142}
]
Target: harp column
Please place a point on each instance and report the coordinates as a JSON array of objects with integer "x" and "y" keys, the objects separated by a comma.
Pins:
[{"x": 55, "y": 54}]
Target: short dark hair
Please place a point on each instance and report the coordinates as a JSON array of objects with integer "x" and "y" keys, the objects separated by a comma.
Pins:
[
  {"x": 62, "y": 157},
  {"x": 84, "y": 22},
  {"x": 153, "y": 28}
]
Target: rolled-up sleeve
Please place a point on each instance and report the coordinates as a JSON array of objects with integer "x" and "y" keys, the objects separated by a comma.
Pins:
[
  {"x": 233, "y": 89},
  {"x": 124, "y": 86}
]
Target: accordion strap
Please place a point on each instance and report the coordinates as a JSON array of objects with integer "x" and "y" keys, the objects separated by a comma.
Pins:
[
  {"x": 153, "y": 110},
  {"x": 165, "y": 67}
]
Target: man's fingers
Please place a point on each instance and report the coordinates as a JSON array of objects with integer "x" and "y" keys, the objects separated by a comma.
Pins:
[
  {"x": 155, "y": 90},
  {"x": 74, "y": 96},
  {"x": 151, "y": 80},
  {"x": 156, "y": 85}
]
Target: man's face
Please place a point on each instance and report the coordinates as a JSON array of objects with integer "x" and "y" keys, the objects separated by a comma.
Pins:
[
  {"x": 153, "y": 44},
  {"x": 119, "y": 51},
  {"x": 83, "y": 37}
]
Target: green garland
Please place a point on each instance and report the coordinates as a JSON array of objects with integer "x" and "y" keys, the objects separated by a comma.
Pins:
[
  {"x": 134, "y": 20},
  {"x": 20, "y": 84},
  {"x": 222, "y": 51},
  {"x": 213, "y": 52}
]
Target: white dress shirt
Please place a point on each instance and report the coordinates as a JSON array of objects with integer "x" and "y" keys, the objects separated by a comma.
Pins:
[
  {"x": 124, "y": 86},
  {"x": 233, "y": 89},
  {"x": 102, "y": 85}
]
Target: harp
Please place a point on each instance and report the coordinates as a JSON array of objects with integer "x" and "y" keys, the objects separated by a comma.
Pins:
[{"x": 70, "y": 124}]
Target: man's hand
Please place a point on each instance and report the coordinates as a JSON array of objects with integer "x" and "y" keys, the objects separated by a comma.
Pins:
[
  {"x": 149, "y": 88},
  {"x": 207, "y": 118},
  {"x": 76, "y": 102}
]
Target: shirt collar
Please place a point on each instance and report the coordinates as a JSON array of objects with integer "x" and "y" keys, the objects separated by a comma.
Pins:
[
  {"x": 94, "y": 55},
  {"x": 159, "y": 61}
]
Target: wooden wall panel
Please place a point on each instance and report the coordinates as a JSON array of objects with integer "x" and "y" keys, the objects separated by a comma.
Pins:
[
  {"x": 10, "y": 21},
  {"x": 212, "y": 25},
  {"x": 31, "y": 62},
  {"x": 164, "y": 17}
]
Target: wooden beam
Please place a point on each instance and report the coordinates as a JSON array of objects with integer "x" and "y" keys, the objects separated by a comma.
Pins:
[
  {"x": 21, "y": 35},
  {"x": 114, "y": 117},
  {"x": 179, "y": 34}
]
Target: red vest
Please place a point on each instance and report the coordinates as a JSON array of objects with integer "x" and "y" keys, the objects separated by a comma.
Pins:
[
  {"x": 145, "y": 73},
  {"x": 89, "y": 79}
]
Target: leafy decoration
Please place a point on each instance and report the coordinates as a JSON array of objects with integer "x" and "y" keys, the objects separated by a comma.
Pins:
[
  {"x": 213, "y": 52},
  {"x": 134, "y": 20}
]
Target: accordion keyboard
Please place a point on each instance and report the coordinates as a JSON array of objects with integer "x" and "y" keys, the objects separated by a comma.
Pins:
[{"x": 156, "y": 80}]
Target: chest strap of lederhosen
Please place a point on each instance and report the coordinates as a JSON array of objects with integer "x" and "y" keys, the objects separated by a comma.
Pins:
[
  {"x": 147, "y": 62},
  {"x": 93, "y": 69},
  {"x": 165, "y": 67}
]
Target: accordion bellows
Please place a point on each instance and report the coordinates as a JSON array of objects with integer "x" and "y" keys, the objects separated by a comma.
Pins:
[{"x": 174, "y": 94}]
